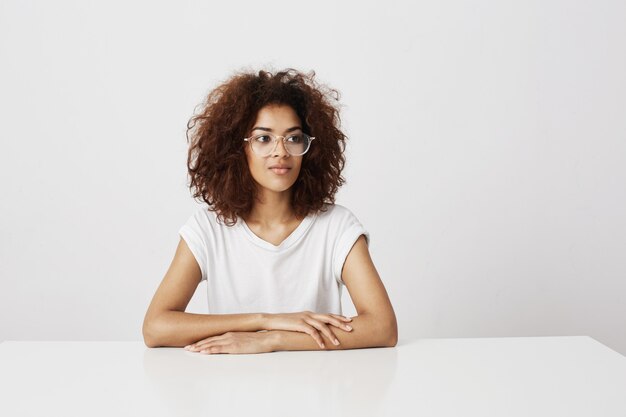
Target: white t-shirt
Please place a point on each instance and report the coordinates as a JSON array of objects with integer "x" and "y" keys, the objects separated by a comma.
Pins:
[{"x": 246, "y": 274}]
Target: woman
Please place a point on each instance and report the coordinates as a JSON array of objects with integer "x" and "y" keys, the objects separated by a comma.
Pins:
[{"x": 266, "y": 155}]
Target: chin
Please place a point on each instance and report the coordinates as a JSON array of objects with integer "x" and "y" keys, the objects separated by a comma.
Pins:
[
  {"x": 279, "y": 188},
  {"x": 276, "y": 184}
]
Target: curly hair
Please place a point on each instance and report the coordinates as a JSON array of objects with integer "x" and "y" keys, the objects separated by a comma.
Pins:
[{"x": 216, "y": 162}]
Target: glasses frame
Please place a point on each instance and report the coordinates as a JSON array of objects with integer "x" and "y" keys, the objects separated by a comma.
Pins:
[{"x": 275, "y": 142}]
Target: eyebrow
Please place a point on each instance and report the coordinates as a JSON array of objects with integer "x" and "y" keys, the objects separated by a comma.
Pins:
[{"x": 267, "y": 129}]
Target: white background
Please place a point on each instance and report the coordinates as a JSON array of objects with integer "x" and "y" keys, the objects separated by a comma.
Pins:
[{"x": 486, "y": 154}]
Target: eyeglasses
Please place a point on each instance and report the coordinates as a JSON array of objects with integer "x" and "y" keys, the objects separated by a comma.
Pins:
[{"x": 264, "y": 144}]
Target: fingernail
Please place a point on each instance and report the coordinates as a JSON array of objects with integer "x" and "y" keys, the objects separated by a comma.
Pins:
[
  {"x": 323, "y": 345},
  {"x": 349, "y": 327},
  {"x": 336, "y": 341},
  {"x": 187, "y": 347}
]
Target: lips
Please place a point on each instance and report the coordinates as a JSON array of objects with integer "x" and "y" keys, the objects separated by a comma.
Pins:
[{"x": 280, "y": 169}]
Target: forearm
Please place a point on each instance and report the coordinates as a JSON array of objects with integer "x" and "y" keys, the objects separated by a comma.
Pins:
[
  {"x": 367, "y": 331},
  {"x": 177, "y": 328}
]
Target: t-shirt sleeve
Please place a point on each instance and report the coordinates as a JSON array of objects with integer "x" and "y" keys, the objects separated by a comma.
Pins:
[
  {"x": 194, "y": 234},
  {"x": 348, "y": 231}
]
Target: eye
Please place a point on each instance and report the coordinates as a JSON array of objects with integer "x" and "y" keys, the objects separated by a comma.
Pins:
[
  {"x": 295, "y": 139},
  {"x": 262, "y": 139}
]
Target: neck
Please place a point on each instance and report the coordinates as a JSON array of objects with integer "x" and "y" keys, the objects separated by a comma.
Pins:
[{"x": 272, "y": 209}]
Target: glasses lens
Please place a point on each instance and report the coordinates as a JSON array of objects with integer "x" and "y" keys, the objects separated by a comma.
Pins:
[
  {"x": 262, "y": 144},
  {"x": 296, "y": 144}
]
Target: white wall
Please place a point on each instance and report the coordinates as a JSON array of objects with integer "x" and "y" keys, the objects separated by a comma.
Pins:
[{"x": 486, "y": 156}]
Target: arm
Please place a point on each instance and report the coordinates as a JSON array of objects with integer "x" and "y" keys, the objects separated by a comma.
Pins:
[
  {"x": 375, "y": 325},
  {"x": 166, "y": 323},
  {"x": 366, "y": 332}
]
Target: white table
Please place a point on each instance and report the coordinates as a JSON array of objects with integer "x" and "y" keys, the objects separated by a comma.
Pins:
[{"x": 518, "y": 376}]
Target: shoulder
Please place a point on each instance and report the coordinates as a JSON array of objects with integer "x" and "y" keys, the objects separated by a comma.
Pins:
[
  {"x": 337, "y": 213},
  {"x": 204, "y": 219},
  {"x": 201, "y": 215},
  {"x": 340, "y": 220}
]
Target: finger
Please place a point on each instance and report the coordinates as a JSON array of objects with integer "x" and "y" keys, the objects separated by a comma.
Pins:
[
  {"x": 339, "y": 317},
  {"x": 194, "y": 346},
  {"x": 310, "y": 330},
  {"x": 208, "y": 340},
  {"x": 214, "y": 344},
  {"x": 343, "y": 325},
  {"x": 344, "y": 318},
  {"x": 198, "y": 345},
  {"x": 331, "y": 319},
  {"x": 213, "y": 349},
  {"x": 325, "y": 330}
]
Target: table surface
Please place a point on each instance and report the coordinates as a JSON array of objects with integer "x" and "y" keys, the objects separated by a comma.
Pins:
[{"x": 514, "y": 376}]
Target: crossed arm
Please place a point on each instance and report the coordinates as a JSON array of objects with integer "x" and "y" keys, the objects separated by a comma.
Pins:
[
  {"x": 166, "y": 323},
  {"x": 368, "y": 331}
]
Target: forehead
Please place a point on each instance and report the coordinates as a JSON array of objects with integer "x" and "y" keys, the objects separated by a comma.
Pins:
[{"x": 277, "y": 116}]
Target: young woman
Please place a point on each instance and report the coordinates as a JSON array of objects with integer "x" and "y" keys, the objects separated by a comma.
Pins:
[{"x": 266, "y": 155}]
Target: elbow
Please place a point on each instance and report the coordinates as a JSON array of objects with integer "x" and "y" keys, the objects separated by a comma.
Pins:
[
  {"x": 384, "y": 329},
  {"x": 392, "y": 332},
  {"x": 150, "y": 334},
  {"x": 151, "y": 343},
  {"x": 393, "y": 340}
]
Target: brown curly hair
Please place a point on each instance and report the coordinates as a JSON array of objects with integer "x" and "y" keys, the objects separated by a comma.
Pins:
[{"x": 216, "y": 162}]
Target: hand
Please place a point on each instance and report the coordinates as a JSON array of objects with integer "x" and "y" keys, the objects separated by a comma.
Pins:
[
  {"x": 234, "y": 342},
  {"x": 310, "y": 323}
]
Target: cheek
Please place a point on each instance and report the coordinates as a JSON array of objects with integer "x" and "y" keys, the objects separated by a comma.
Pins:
[
  {"x": 299, "y": 167},
  {"x": 257, "y": 169},
  {"x": 253, "y": 164}
]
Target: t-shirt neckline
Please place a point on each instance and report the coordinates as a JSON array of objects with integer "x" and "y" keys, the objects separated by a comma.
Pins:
[{"x": 297, "y": 233}]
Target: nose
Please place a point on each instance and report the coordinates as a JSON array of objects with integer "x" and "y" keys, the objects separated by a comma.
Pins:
[{"x": 279, "y": 147}]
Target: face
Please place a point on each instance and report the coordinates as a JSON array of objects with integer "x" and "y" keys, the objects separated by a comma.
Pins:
[{"x": 279, "y": 120}]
